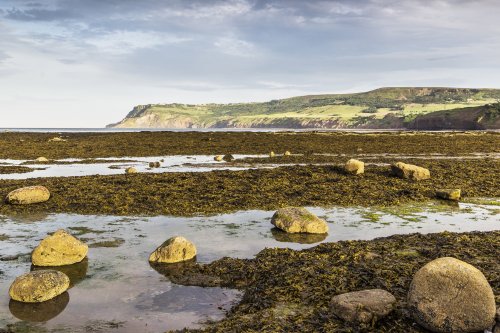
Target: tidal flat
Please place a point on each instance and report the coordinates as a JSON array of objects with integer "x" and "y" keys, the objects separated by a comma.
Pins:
[{"x": 247, "y": 275}]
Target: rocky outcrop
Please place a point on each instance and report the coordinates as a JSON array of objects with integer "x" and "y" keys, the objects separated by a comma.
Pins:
[
  {"x": 449, "y": 295},
  {"x": 410, "y": 171},
  {"x": 175, "y": 249},
  {"x": 59, "y": 249},
  {"x": 298, "y": 220},
  {"x": 354, "y": 167},
  {"x": 363, "y": 307},
  {"x": 38, "y": 286},
  {"x": 449, "y": 194},
  {"x": 28, "y": 195}
]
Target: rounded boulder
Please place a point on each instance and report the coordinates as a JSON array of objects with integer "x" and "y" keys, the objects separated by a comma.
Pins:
[
  {"x": 28, "y": 195},
  {"x": 59, "y": 249},
  {"x": 449, "y": 295},
  {"x": 38, "y": 286},
  {"x": 175, "y": 249},
  {"x": 298, "y": 220}
]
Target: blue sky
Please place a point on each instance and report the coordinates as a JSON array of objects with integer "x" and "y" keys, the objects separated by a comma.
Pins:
[{"x": 86, "y": 63}]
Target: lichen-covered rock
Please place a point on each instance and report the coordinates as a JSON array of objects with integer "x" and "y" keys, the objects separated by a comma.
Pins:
[
  {"x": 449, "y": 295},
  {"x": 410, "y": 171},
  {"x": 354, "y": 167},
  {"x": 28, "y": 195},
  {"x": 287, "y": 153},
  {"x": 175, "y": 249},
  {"x": 38, "y": 286},
  {"x": 297, "y": 220},
  {"x": 218, "y": 158},
  {"x": 449, "y": 194},
  {"x": 130, "y": 170},
  {"x": 59, "y": 249},
  {"x": 42, "y": 159},
  {"x": 228, "y": 158},
  {"x": 362, "y": 307}
]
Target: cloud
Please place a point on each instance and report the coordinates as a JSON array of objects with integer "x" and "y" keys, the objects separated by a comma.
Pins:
[
  {"x": 123, "y": 42},
  {"x": 39, "y": 14},
  {"x": 236, "y": 47}
]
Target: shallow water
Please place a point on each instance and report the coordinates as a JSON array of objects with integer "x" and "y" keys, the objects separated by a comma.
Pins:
[{"x": 116, "y": 290}]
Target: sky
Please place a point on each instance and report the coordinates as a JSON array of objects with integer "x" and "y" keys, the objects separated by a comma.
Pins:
[{"x": 86, "y": 63}]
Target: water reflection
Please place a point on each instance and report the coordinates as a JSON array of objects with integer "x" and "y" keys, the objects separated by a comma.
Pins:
[
  {"x": 76, "y": 272},
  {"x": 39, "y": 312},
  {"x": 300, "y": 238},
  {"x": 185, "y": 273}
]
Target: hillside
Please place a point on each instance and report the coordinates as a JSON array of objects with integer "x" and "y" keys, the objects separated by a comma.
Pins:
[{"x": 380, "y": 108}]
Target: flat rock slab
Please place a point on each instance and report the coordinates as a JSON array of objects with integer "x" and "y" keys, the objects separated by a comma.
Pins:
[
  {"x": 449, "y": 295},
  {"x": 298, "y": 220},
  {"x": 39, "y": 286},
  {"x": 363, "y": 307},
  {"x": 449, "y": 194}
]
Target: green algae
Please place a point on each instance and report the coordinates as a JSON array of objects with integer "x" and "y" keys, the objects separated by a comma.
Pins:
[{"x": 290, "y": 291}]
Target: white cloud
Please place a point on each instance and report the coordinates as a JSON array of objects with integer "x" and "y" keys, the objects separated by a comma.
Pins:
[
  {"x": 123, "y": 42},
  {"x": 236, "y": 47}
]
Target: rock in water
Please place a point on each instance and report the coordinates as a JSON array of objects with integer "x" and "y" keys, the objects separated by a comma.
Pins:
[
  {"x": 42, "y": 159},
  {"x": 175, "y": 249},
  {"x": 363, "y": 307},
  {"x": 58, "y": 250},
  {"x": 272, "y": 154},
  {"x": 28, "y": 195},
  {"x": 355, "y": 167},
  {"x": 453, "y": 194},
  {"x": 130, "y": 170},
  {"x": 218, "y": 158},
  {"x": 228, "y": 158},
  {"x": 287, "y": 153},
  {"x": 410, "y": 171},
  {"x": 449, "y": 295},
  {"x": 295, "y": 219},
  {"x": 38, "y": 286}
]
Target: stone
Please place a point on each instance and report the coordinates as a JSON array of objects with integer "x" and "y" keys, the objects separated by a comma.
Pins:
[
  {"x": 175, "y": 249},
  {"x": 449, "y": 295},
  {"x": 218, "y": 158},
  {"x": 59, "y": 249},
  {"x": 449, "y": 194},
  {"x": 363, "y": 307},
  {"x": 42, "y": 159},
  {"x": 28, "y": 195},
  {"x": 272, "y": 154},
  {"x": 38, "y": 286},
  {"x": 228, "y": 158},
  {"x": 410, "y": 171},
  {"x": 130, "y": 170},
  {"x": 151, "y": 164},
  {"x": 287, "y": 153},
  {"x": 57, "y": 139},
  {"x": 354, "y": 167},
  {"x": 298, "y": 220}
]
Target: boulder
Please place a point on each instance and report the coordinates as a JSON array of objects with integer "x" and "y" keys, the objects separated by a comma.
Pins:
[
  {"x": 228, "y": 158},
  {"x": 354, "y": 167},
  {"x": 449, "y": 194},
  {"x": 151, "y": 164},
  {"x": 497, "y": 326},
  {"x": 175, "y": 249},
  {"x": 28, "y": 195},
  {"x": 272, "y": 154},
  {"x": 410, "y": 171},
  {"x": 130, "y": 170},
  {"x": 57, "y": 139},
  {"x": 287, "y": 153},
  {"x": 363, "y": 307},
  {"x": 59, "y": 249},
  {"x": 449, "y": 295},
  {"x": 298, "y": 220},
  {"x": 38, "y": 286},
  {"x": 42, "y": 159},
  {"x": 218, "y": 158}
]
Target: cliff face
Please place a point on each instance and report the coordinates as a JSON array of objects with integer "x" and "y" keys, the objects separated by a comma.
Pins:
[{"x": 384, "y": 108}]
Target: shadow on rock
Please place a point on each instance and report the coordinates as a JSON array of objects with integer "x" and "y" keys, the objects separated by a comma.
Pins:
[
  {"x": 301, "y": 238},
  {"x": 187, "y": 273},
  {"x": 76, "y": 272},
  {"x": 39, "y": 312}
]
